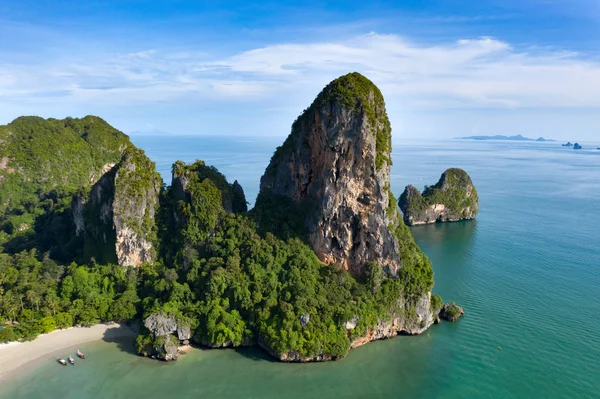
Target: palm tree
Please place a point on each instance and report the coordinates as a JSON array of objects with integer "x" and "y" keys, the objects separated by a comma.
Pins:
[
  {"x": 10, "y": 305},
  {"x": 34, "y": 299},
  {"x": 52, "y": 302}
]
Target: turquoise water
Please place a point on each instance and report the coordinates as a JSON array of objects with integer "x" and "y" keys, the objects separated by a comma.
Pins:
[{"x": 527, "y": 272}]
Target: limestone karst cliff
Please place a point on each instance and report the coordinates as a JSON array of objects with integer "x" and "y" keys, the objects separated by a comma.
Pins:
[
  {"x": 452, "y": 198},
  {"x": 335, "y": 166},
  {"x": 117, "y": 221},
  {"x": 332, "y": 178}
]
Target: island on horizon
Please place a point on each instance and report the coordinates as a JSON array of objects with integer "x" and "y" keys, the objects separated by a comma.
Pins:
[{"x": 517, "y": 137}]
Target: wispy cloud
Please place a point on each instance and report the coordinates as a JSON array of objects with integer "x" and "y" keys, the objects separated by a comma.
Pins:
[{"x": 469, "y": 73}]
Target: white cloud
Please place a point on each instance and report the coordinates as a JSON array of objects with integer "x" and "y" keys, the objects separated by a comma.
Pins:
[{"x": 469, "y": 73}]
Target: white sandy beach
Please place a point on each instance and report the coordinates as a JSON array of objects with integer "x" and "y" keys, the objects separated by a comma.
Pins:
[{"x": 14, "y": 355}]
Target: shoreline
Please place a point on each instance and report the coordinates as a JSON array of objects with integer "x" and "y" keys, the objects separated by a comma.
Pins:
[{"x": 16, "y": 354}]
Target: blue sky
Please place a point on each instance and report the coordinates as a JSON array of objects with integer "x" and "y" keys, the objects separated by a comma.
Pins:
[{"x": 446, "y": 68}]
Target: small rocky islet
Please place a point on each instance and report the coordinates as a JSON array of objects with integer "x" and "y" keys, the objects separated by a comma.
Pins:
[
  {"x": 451, "y": 199},
  {"x": 575, "y": 146},
  {"x": 323, "y": 263}
]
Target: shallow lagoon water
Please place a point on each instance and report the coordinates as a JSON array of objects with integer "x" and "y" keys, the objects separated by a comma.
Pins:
[{"x": 527, "y": 272}]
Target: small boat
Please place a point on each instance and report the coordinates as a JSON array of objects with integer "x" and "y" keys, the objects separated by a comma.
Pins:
[
  {"x": 71, "y": 360},
  {"x": 80, "y": 355},
  {"x": 62, "y": 361}
]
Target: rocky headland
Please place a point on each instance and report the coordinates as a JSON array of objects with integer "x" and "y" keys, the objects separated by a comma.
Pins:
[{"x": 322, "y": 264}]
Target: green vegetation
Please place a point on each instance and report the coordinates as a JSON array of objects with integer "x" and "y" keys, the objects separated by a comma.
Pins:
[
  {"x": 38, "y": 296},
  {"x": 436, "y": 303},
  {"x": 450, "y": 190},
  {"x": 453, "y": 311},
  {"x": 415, "y": 272},
  {"x": 43, "y": 162},
  {"x": 243, "y": 285},
  {"x": 232, "y": 196},
  {"x": 279, "y": 215}
]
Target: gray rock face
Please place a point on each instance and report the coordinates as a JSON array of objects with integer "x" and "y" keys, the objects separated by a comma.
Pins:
[
  {"x": 453, "y": 198},
  {"x": 137, "y": 188},
  {"x": 351, "y": 324},
  {"x": 77, "y": 207},
  {"x": 118, "y": 219},
  {"x": 184, "y": 333},
  {"x": 159, "y": 324},
  {"x": 304, "y": 319},
  {"x": 423, "y": 319},
  {"x": 337, "y": 160},
  {"x": 164, "y": 343}
]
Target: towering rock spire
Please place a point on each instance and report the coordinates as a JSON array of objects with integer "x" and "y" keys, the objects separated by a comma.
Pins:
[{"x": 336, "y": 164}]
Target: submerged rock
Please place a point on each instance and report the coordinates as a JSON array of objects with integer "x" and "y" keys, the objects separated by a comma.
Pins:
[
  {"x": 453, "y": 198},
  {"x": 451, "y": 312}
]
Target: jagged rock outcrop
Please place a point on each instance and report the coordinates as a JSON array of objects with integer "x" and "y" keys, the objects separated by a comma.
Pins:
[
  {"x": 335, "y": 166},
  {"x": 452, "y": 198},
  {"x": 451, "y": 312},
  {"x": 160, "y": 341},
  {"x": 238, "y": 198},
  {"x": 232, "y": 195},
  {"x": 118, "y": 219}
]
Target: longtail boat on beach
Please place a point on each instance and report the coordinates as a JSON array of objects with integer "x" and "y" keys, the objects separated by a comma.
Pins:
[{"x": 80, "y": 354}]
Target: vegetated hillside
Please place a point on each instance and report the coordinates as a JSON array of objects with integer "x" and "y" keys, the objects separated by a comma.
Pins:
[{"x": 43, "y": 162}]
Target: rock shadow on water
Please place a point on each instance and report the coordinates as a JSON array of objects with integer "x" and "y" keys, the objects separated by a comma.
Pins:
[
  {"x": 461, "y": 232},
  {"x": 254, "y": 353},
  {"x": 123, "y": 336}
]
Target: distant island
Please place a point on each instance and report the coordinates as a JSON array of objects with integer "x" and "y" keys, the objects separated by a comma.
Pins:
[{"x": 518, "y": 137}]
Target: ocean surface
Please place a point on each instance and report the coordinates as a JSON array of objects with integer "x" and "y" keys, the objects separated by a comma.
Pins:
[{"x": 527, "y": 272}]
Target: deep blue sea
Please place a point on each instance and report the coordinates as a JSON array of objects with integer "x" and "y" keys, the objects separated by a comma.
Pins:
[{"x": 527, "y": 272}]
